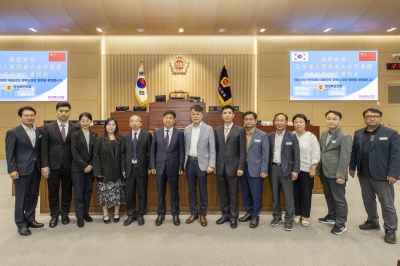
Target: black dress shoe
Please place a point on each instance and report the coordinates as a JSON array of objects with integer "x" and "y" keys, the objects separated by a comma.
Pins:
[
  {"x": 221, "y": 220},
  {"x": 116, "y": 220},
  {"x": 160, "y": 220},
  {"x": 245, "y": 218},
  {"x": 253, "y": 223},
  {"x": 80, "y": 222},
  {"x": 65, "y": 219},
  {"x": 24, "y": 231},
  {"x": 129, "y": 220},
  {"x": 106, "y": 221},
  {"x": 35, "y": 224},
  {"x": 140, "y": 221},
  {"x": 53, "y": 222},
  {"x": 390, "y": 236},
  {"x": 87, "y": 218},
  {"x": 177, "y": 221},
  {"x": 233, "y": 224}
]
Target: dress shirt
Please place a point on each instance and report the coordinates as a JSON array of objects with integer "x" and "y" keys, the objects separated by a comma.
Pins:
[
  {"x": 66, "y": 125},
  {"x": 137, "y": 137},
  {"x": 329, "y": 135},
  {"x": 277, "y": 147},
  {"x": 309, "y": 151},
  {"x": 31, "y": 133},
  {"x": 194, "y": 140},
  {"x": 87, "y": 137}
]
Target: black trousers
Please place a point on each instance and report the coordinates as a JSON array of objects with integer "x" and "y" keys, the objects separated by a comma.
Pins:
[
  {"x": 57, "y": 176},
  {"x": 173, "y": 181},
  {"x": 134, "y": 183},
  {"x": 302, "y": 190},
  {"x": 228, "y": 189},
  {"x": 26, "y": 198},
  {"x": 196, "y": 176},
  {"x": 83, "y": 189}
]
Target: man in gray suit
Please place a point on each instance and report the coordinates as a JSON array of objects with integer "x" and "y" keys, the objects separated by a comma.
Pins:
[
  {"x": 230, "y": 145},
  {"x": 336, "y": 147},
  {"x": 284, "y": 168},
  {"x": 199, "y": 161}
]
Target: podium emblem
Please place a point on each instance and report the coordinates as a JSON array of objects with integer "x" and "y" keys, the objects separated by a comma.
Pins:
[{"x": 179, "y": 65}]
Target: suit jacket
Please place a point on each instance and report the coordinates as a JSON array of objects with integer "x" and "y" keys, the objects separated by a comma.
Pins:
[
  {"x": 106, "y": 161},
  {"x": 258, "y": 153},
  {"x": 174, "y": 157},
  {"x": 384, "y": 154},
  {"x": 21, "y": 156},
  {"x": 205, "y": 146},
  {"x": 290, "y": 153},
  {"x": 143, "y": 149},
  {"x": 231, "y": 155},
  {"x": 81, "y": 158},
  {"x": 335, "y": 156},
  {"x": 56, "y": 152}
]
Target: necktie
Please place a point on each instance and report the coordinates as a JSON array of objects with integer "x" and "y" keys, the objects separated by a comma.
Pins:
[
  {"x": 226, "y": 133},
  {"x": 134, "y": 142},
  {"x": 166, "y": 140},
  {"x": 63, "y": 132}
]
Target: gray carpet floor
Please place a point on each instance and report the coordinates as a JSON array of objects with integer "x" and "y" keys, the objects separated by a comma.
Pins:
[{"x": 114, "y": 244}]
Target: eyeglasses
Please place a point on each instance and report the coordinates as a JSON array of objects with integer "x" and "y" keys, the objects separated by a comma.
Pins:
[{"x": 372, "y": 116}]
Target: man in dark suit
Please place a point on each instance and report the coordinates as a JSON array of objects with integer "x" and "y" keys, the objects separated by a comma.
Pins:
[
  {"x": 23, "y": 166},
  {"x": 256, "y": 170},
  {"x": 376, "y": 154},
  {"x": 135, "y": 161},
  {"x": 166, "y": 162},
  {"x": 230, "y": 146},
  {"x": 56, "y": 162},
  {"x": 284, "y": 168}
]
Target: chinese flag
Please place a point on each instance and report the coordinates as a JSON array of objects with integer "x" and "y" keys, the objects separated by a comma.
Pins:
[
  {"x": 57, "y": 57},
  {"x": 367, "y": 56}
]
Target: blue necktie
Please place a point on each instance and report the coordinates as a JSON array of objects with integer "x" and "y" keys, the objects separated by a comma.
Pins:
[
  {"x": 134, "y": 142},
  {"x": 167, "y": 140}
]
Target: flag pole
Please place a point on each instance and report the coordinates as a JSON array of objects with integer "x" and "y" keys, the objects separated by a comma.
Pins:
[{"x": 141, "y": 63}]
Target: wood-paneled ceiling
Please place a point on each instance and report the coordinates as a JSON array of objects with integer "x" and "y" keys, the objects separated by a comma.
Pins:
[{"x": 199, "y": 17}]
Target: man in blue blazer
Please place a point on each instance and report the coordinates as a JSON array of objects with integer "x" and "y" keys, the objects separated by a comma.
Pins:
[
  {"x": 256, "y": 169},
  {"x": 284, "y": 167},
  {"x": 199, "y": 161},
  {"x": 23, "y": 166},
  {"x": 166, "y": 162},
  {"x": 376, "y": 154}
]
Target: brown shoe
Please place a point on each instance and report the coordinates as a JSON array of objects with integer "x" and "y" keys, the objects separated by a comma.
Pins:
[
  {"x": 192, "y": 218},
  {"x": 203, "y": 220}
]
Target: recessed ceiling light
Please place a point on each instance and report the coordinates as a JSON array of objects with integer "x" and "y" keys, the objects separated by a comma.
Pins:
[
  {"x": 262, "y": 30},
  {"x": 328, "y": 29},
  {"x": 140, "y": 30},
  {"x": 294, "y": 30},
  {"x": 66, "y": 30},
  {"x": 181, "y": 29},
  {"x": 99, "y": 30},
  {"x": 392, "y": 29},
  {"x": 221, "y": 30},
  {"x": 32, "y": 29},
  {"x": 358, "y": 30}
]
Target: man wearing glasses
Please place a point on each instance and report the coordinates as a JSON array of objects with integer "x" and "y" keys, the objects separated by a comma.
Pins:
[{"x": 376, "y": 153}]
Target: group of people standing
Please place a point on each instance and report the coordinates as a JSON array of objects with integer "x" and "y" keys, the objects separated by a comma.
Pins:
[{"x": 69, "y": 155}]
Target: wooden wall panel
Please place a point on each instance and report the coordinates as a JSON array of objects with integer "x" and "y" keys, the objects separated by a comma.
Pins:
[
  {"x": 385, "y": 44},
  {"x": 84, "y": 65},
  {"x": 82, "y": 89},
  {"x": 276, "y": 86},
  {"x": 22, "y": 43},
  {"x": 342, "y": 43},
  {"x": 280, "y": 45},
  {"x": 74, "y": 44}
]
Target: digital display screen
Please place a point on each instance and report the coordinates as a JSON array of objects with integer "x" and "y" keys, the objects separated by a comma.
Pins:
[{"x": 391, "y": 66}]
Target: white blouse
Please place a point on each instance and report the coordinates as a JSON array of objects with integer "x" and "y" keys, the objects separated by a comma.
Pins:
[{"x": 309, "y": 151}]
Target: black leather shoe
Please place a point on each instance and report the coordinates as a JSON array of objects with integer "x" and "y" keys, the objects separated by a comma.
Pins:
[
  {"x": 140, "y": 221},
  {"x": 221, "y": 220},
  {"x": 106, "y": 221},
  {"x": 116, "y": 219},
  {"x": 65, "y": 219},
  {"x": 129, "y": 220},
  {"x": 253, "y": 223},
  {"x": 35, "y": 224},
  {"x": 53, "y": 222},
  {"x": 390, "y": 236},
  {"x": 24, "y": 231},
  {"x": 245, "y": 218},
  {"x": 159, "y": 220},
  {"x": 177, "y": 221},
  {"x": 80, "y": 222},
  {"x": 233, "y": 224},
  {"x": 87, "y": 218}
]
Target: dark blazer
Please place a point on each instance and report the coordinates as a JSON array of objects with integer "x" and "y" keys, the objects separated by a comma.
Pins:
[
  {"x": 290, "y": 153},
  {"x": 106, "y": 162},
  {"x": 55, "y": 148},
  {"x": 232, "y": 154},
  {"x": 174, "y": 157},
  {"x": 20, "y": 154},
  {"x": 143, "y": 149},
  {"x": 258, "y": 153},
  {"x": 81, "y": 158},
  {"x": 384, "y": 155}
]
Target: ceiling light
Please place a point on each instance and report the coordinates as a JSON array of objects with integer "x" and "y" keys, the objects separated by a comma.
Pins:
[
  {"x": 358, "y": 30},
  {"x": 66, "y": 30},
  {"x": 181, "y": 29},
  {"x": 140, "y": 30},
  {"x": 294, "y": 30},
  {"x": 328, "y": 29},
  {"x": 392, "y": 29},
  {"x": 99, "y": 30},
  {"x": 221, "y": 30},
  {"x": 262, "y": 30},
  {"x": 32, "y": 29}
]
